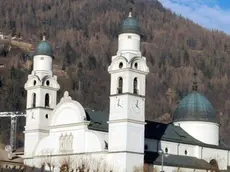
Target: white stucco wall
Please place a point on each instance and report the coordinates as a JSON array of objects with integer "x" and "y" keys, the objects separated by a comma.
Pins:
[
  {"x": 42, "y": 63},
  {"x": 131, "y": 137},
  {"x": 190, "y": 149},
  {"x": 125, "y": 161},
  {"x": 128, "y": 77},
  {"x": 128, "y": 42},
  {"x": 206, "y": 132},
  {"x": 67, "y": 112},
  {"x": 221, "y": 156},
  {"x": 172, "y": 147},
  {"x": 32, "y": 139},
  {"x": 91, "y": 161}
]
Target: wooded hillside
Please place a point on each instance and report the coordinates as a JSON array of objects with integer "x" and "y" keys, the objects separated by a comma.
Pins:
[{"x": 84, "y": 34}]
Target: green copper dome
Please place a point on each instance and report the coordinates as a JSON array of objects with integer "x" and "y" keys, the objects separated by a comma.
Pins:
[
  {"x": 44, "y": 48},
  {"x": 195, "y": 107},
  {"x": 130, "y": 25}
]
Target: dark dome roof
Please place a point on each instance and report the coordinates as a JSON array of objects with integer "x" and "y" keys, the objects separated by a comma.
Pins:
[
  {"x": 194, "y": 107},
  {"x": 44, "y": 48},
  {"x": 130, "y": 25}
]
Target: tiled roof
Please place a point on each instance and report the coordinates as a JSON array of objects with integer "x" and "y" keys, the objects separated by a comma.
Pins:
[
  {"x": 98, "y": 120},
  {"x": 44, "y": 48},
  {"x": 130, "y": 25},
  {"x": 178, "y": 161},
  {"x": 194, "y": 107},
  {"x": 172, "y": 133},
  {"x": 153, "y": 130}
]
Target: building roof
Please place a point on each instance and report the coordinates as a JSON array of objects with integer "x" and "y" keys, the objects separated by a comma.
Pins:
[
  {"x": 153, "y": 130},
  {"x": 172, "y": 133},
  {"x": 98, "y": 119},
  {"x": 178, "y": 161},
  {"x": 44, "y": 48},
  {"x": 130, "y": 25},
  {"x": 194, "y": 107}
]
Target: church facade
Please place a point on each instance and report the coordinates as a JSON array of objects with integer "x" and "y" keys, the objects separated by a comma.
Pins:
[{"x": 123, "y": 139}]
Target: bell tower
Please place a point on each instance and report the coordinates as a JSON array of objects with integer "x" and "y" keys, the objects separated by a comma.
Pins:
[
  {"x": 42, "y": 87},
  {"x": 128, "y": 71}
]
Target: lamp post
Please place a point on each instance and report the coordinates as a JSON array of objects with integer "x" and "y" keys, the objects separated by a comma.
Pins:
[{"x": 163, "y": 154}]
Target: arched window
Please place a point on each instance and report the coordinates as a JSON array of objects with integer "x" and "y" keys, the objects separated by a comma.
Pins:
[
  {"x": 120, "y": 85},
  {"x": 47, "y": 100},
  {"x": 214, "y": 163},
  {"x": 34, "y": 100},
  {"x": 135, "y": 90}
]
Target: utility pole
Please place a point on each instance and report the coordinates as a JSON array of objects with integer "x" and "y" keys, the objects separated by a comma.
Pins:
[
  {"x": 163, "y": 154},
  {"x": 13, "y": 127}
]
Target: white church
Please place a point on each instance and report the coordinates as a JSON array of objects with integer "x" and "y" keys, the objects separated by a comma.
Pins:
[{"x": 122, "y": 138}]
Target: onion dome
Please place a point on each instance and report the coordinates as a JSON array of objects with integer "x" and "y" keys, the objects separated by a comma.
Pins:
[
  {"x": 44, "y": 48},
  {"x": 130, "y": 25},
  {"x": 195, "y": 107}
]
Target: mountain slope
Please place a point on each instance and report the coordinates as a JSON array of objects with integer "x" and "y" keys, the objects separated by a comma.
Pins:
[{"x": 84, "y": 37}]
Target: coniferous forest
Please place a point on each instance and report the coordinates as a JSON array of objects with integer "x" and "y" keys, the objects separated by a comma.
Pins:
[{"x": 83, "y": 35}]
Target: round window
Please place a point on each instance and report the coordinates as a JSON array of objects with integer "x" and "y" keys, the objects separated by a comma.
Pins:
[
  {"x": 35, "y": 82},
  {"x": 48, "y": 83},
  {"x": 136, "y": 65},
  {"x": 166, "y": 150},
  {"x": 186, "y": 152},
  {"x": 47, "y": 116},
  {"x": 120, "y": 65}
]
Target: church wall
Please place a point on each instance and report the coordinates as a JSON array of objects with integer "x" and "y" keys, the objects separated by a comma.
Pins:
[
  {"x": 127, "y": 82},
  {"x": 31, "y": 142},
  {"x": 92, "y": 160},
  {"x": 221, "y": 156},
  {"x": 171, "y": 146},
  {"x": 103, "y": 135},
  {"x": 114, "y": 82},
  {"x": 198, "y": 152},
  {"x": 92, "y": 142},
  {"x": 78, "y": 144},
  {"x": 52, "y": 97},
  {"x": 128, "y": 42},
  {"x": 228, "y": 158},
  {"x": 196, "y": 129},
  {"x": 89, "y": 141},
  {"x": 73, "y": 116},
  {"x": 42, "y": 63},
  {"x": 185, "y": 149},
  {"x": 121, "y": 161}
]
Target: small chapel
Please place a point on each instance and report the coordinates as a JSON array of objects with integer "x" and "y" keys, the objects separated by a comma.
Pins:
[{"x": 123, "y": 139}]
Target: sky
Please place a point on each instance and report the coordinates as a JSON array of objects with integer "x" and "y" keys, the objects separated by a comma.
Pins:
[{"x": 211, "y": 14}]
